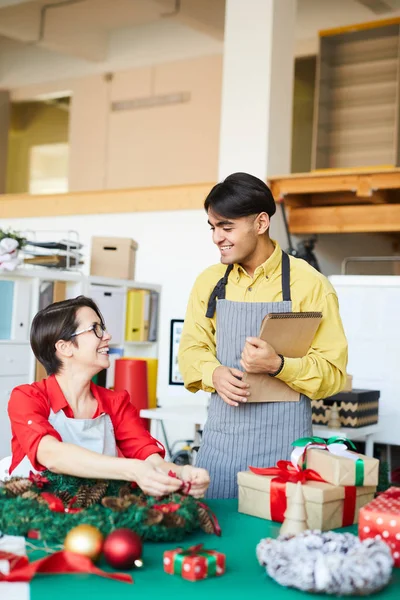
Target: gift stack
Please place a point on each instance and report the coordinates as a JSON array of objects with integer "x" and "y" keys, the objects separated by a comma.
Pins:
[{"x": 336, "y": 484}]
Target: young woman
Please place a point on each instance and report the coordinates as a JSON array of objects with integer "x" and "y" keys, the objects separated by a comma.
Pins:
[{"x": 69, "y": 425}]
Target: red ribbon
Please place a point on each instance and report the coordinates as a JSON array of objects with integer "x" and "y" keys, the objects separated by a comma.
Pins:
[
  {"x": 14, "y": 560},
  {"x": 61, "y": 563},
  {"x": 286, "y": 473},
  {"x": 167, "y": 508},
  {"x": 57, "y": 505},
  {"x": 217, "y": 528},
  {"x": 186, "y": 485}
]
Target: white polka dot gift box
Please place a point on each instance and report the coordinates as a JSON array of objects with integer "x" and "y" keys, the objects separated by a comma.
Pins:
[
  {"x": 380, "y": 519},
  {"x": 194, "y": 563}
]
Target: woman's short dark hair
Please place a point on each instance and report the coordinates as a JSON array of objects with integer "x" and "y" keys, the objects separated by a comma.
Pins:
[
  {"x": 240, "y": 195},
  {"x": 57, "y": 322}
]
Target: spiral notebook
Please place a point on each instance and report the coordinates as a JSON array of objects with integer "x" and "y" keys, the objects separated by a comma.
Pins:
[{"x": 290, "y": 334}]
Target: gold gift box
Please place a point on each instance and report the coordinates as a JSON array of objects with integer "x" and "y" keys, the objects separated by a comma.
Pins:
[
  {"x": 324, "y": 502},
  {"x": 339, "y": 470}
]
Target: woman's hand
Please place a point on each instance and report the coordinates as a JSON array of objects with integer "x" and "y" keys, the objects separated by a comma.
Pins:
[
  {"x": 198, "y": 478},
  {"x": 153, "y": 481}
]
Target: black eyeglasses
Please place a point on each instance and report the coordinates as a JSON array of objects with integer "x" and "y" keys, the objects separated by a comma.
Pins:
[{"x": 99, "y": 329}]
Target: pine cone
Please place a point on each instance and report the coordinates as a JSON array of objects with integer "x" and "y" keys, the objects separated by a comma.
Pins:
[
  {"x": 154, "y": 517},
  {"x": 18, "y": 485},
  {"x": 95, "y": 493},
  {"x": 125, "y": 490},
  {"x": 65, "y": 496},
  {"x": 206, "y": 523},
  {"x": 30, "y": 495},
  {"x": 81, "y": 496},
  {"x": 173, "y": 520}
]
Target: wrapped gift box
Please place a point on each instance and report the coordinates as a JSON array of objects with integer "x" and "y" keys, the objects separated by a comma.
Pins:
[
  {"x": 328, "y": 506},
  {"x": 341, "y": 470},
  {"x": 381, "y": 519},
  {"x": 357, "y": 408},
  {"x": 194, "y": 563}
]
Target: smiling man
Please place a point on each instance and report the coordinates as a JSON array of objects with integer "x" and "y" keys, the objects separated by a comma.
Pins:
[{"x": 219, "y": 341}]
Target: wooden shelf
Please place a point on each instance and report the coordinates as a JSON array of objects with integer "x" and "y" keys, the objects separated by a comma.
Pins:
[{"x": 341, "y": 201}]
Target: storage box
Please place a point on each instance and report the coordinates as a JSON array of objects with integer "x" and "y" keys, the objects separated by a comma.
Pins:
[
  {"x": 328, "y": 506},
  {"x": 340, "y": 470},
  {"x": 357, "y": 408},
  {"x": 113, "y": 257},
  {"x": 380, "y": 519}
]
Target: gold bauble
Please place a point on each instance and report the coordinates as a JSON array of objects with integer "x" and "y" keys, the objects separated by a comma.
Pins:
[{"x": 86, "y": 540}]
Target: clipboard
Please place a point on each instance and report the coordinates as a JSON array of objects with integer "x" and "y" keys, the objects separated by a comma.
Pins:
[{"x": 290, "y": 334}]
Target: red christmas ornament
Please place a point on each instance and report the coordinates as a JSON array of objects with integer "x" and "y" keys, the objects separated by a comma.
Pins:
[{"x": 122, "y": 548}]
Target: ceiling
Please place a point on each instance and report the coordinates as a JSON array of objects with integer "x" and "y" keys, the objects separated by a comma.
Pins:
[{"x": 81, "y": 27}]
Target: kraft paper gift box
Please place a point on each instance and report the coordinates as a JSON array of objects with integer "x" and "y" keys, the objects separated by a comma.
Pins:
[
  {"x": 327, "y": 506},
  {"x": 380, "y": 519},
  {"x": 341, "y": 470}
]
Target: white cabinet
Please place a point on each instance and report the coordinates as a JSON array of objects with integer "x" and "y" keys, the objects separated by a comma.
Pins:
[
  {"x": 111, "y": 302},
  {"x": 15, "y": 359},
  {"x": 7, "y": 384}
]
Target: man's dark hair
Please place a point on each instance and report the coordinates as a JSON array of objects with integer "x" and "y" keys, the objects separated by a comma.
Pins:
[
  {"x": 240, "y": 195},
  {"x": 57, "y": 322}
]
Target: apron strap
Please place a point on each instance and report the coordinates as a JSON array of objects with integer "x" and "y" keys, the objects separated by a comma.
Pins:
[
  {"x": 285, "y": 277},
  {"x": 218, "y": 292}
]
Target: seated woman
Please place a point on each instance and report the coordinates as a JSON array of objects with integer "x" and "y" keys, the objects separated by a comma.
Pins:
[{"x": 69, "y": 425}]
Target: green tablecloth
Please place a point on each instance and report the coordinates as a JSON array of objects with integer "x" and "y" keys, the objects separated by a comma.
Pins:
[{"x": 240, "y": 535}]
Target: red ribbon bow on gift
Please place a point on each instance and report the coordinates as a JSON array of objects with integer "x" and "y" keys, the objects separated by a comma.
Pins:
[{"x": 286, "y": 473}]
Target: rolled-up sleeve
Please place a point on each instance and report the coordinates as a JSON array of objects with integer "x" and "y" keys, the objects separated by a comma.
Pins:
[
  {"x": 28, "y": 411},
  {"x": 131, "y": 437}
]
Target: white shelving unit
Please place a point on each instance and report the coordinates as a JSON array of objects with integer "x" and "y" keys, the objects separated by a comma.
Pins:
[{"x": 17, "y": 362}]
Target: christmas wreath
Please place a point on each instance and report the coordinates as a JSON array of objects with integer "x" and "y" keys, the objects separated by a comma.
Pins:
[{"x": 47, "y": 506}]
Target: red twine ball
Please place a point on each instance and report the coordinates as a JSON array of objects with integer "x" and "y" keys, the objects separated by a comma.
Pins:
[{"x": 121, "y": 548}]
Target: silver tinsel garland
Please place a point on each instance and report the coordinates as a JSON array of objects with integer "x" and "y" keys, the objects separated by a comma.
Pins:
[{"x": 329, "y": 562}]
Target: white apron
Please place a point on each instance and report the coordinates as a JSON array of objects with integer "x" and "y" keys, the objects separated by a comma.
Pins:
[{"x": 93, "y": 434}]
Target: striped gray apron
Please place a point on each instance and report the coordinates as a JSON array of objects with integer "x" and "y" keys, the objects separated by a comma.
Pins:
[{"x": 254, "y": 434}]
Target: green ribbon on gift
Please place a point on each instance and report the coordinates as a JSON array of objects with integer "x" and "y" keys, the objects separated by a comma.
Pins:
[
  {"x": 333, "y": 445},
  {"x": 195, "y": 551}
]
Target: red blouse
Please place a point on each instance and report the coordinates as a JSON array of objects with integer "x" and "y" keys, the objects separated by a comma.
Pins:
[{"x": 29, "y": 410}]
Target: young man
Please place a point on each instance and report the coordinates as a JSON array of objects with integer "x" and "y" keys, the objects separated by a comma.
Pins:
[{"x": 219, "y": 340}]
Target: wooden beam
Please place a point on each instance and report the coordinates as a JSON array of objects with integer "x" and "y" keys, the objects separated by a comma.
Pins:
[
  {"x": 359, "y": 182},
  {"x": 179, "y": 197},
  {"x": 345, "y": 219}
]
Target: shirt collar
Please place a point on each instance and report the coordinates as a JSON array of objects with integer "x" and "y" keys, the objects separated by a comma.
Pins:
[
  {"x": 268, "y": 267},
  {"x": 58, "y": 401}
]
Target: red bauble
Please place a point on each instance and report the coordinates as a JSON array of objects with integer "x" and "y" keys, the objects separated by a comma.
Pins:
[{"x": 121, "y": 548}]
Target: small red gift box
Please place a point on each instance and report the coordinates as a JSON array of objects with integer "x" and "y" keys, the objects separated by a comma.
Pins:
[
  {"x": 194, "y": 563},
  {"x": 380, "y": 519}
]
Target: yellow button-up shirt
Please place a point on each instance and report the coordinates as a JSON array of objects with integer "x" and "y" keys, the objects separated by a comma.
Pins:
[{"x": 319, "y": 374}]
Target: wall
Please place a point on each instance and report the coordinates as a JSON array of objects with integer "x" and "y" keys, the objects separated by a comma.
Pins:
[
  {"x": 160, "y": 145},
  {"x": 303, "y": 112},
  {"x": 32, "y": 124},
  {"x": 174, "y": 247}
]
